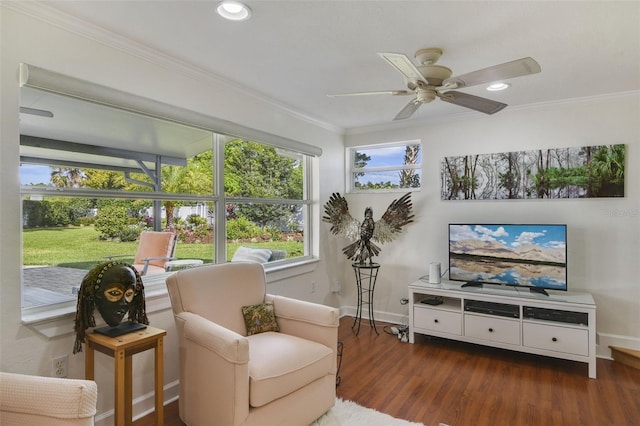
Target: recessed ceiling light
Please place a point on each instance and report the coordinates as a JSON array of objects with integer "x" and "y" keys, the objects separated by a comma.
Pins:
[
  {"x": 233, "y": 10},
  {"x": 498, "y": 86}
]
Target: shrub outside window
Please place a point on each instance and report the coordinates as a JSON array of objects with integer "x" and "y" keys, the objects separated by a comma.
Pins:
[{"x": 385, "y": 167}]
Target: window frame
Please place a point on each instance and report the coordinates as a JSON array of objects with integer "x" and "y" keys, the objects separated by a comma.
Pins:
[{"x": 351, "y": 169}]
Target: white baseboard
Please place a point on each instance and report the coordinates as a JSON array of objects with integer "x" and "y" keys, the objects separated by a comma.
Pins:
[
  {"x": 378, "y": 315},
  {"x": 388, "y": 317},
  {"x": 605, "y": 340},
  {"x": 142, "y": 406}
]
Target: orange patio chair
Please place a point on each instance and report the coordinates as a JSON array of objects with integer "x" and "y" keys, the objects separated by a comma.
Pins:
[{"x": 155, "y": 249}]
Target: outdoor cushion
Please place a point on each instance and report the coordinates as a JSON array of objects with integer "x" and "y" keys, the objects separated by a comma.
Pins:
[{"x": 244, "y": 254}]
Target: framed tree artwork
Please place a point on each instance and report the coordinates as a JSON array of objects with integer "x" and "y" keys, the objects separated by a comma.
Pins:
[{"x": 575, "y": 172}]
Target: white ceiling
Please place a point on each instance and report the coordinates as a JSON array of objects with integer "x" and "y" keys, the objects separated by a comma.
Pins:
[{"x": 297, "y": 52}]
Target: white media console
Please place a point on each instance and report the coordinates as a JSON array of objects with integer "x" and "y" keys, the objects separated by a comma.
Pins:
[{"x": 561, "y": 325}]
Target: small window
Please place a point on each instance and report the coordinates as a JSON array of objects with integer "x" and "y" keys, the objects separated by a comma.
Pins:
[{"x": 385, "y": 167}]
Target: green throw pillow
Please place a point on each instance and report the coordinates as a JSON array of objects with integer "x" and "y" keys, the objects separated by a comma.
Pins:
[{"x": 260, "y": 318}]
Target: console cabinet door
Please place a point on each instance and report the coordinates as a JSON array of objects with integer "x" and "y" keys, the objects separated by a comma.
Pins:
[
  {"x": 556, "y": 338},
  {"x": 492, "y": 328},
  {"x": 437, "y": 320}
]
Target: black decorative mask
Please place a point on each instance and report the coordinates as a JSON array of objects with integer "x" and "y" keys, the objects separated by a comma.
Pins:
[{"x": 115, "y": 290}]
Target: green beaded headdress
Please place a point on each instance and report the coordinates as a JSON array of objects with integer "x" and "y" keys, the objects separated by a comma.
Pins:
[{"x": 86, "y": 301}]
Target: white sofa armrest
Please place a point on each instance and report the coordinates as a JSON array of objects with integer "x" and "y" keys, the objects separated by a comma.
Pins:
[{"x": 36, "y": 400}]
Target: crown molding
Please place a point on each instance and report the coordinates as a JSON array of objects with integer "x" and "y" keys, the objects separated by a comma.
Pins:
[
  {"x": 50, "y": 15},
  {"x": 471, "y": 115}
]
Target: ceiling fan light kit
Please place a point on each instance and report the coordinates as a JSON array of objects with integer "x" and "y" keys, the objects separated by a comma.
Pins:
[
  {"x": 428, "y": 56},
  {"x": 429, "y": 81}
]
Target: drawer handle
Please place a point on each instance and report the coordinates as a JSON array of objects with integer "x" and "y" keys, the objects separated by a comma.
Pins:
[
  {"x": 435, "y": 320},
  {"x": 491, "y": 330},
  {"x": 554, "y": 339}
]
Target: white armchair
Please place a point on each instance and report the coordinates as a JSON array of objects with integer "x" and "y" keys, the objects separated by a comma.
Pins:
[
  {"x": 228, "y": 377},
  {"x": 46, "y": 401}
]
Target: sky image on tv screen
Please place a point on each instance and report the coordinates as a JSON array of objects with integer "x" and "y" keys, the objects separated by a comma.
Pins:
[{"x": 517, "y": 255}]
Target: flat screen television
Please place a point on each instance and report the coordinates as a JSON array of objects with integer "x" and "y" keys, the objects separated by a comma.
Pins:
[{"x": 533, "y": 256}]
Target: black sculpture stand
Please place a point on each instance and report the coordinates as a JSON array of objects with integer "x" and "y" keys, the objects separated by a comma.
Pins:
[
  {"x": 120, "y": 329},
  {"x": 366, "y": 275}
]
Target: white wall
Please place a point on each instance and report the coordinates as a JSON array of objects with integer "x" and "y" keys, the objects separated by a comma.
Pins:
[
  {"x": 27, "y": 349},
  {"x": 604, "y": 234}
]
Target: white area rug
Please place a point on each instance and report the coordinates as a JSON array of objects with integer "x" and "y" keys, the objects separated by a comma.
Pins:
[{"x": 348, "y": 413}]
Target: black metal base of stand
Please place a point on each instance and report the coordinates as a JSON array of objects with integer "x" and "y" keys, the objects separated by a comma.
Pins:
[{"x": 366, "y": 275}]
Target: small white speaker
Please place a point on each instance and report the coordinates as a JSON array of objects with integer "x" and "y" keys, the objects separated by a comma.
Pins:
[{"x": 434, "y": 273}]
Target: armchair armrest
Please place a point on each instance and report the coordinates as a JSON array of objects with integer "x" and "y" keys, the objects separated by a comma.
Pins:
[
  {"x": 33, "y": 399},
  {"x": 224, "y": 343},
  {"x": 224, "y": 383},
  {"x": 307, "y": 320}
]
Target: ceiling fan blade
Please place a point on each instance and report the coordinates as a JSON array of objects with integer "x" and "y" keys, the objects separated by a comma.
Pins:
[
  {"x": 34, "y": 111},
  {"x": 381, "y": 92},
  {"x": 473, "y": 102},
  {"x": 519, "y": 68},
  {"x": 408, "y": 110},
  {"x": 404, "y": 65}
]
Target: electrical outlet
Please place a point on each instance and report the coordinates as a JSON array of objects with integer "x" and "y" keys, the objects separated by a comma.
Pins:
[
  {"x": 59, "y": 366},
  {"x": 313, "y": 286}
]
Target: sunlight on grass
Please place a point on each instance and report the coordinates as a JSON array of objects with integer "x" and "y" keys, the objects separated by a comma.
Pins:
[{"x": 79, "y": 247}]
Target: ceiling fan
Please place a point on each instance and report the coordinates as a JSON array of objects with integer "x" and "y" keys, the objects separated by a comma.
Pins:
[{"x": 428, "y": 81}]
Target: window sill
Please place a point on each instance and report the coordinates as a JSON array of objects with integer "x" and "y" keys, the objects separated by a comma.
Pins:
[{"x": 57, "y": 320}]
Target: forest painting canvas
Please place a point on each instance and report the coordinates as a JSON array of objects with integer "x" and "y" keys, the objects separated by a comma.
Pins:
[{"x": 575, "y": 172}]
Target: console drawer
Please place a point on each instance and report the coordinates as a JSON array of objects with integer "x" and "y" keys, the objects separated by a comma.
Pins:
[
  {"x": 492, "y": 328},
  {"x": 553, "y": 338},
  {"x": 437, "y": 320}
]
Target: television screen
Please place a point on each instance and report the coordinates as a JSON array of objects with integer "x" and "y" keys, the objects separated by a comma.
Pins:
[{"x": 533, "y": 256}]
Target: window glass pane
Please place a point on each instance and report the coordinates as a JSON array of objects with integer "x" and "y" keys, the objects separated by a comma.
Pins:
[
  {"x": 385, "y": 156},
  {"x": 64, "y": 237},
  {"x": 262, "y": 171},
  {"x": 268, "y": 226},
  {"x": 384, "y": 167},
  {"x": 389, "y": 179},
  {"x": 195, "y": 177}
]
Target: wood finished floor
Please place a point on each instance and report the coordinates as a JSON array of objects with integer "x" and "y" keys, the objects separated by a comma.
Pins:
[{"x": 437, "y": 380}]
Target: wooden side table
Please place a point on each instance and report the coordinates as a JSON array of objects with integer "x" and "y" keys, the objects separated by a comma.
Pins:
[{"x": 122, "y": 348}]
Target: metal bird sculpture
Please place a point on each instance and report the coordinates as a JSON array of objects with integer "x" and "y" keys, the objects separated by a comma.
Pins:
[{"x": 386, "y": 229}]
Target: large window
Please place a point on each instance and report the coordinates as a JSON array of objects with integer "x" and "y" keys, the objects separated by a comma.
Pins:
[
  {"x": 385, "y": 167},
  {"x": 93, "y": 178},
  {"x": 94, "y": 214}
]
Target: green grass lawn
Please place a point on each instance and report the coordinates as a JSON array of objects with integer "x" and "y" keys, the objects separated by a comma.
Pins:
[{"x": 79, "y": 247}]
